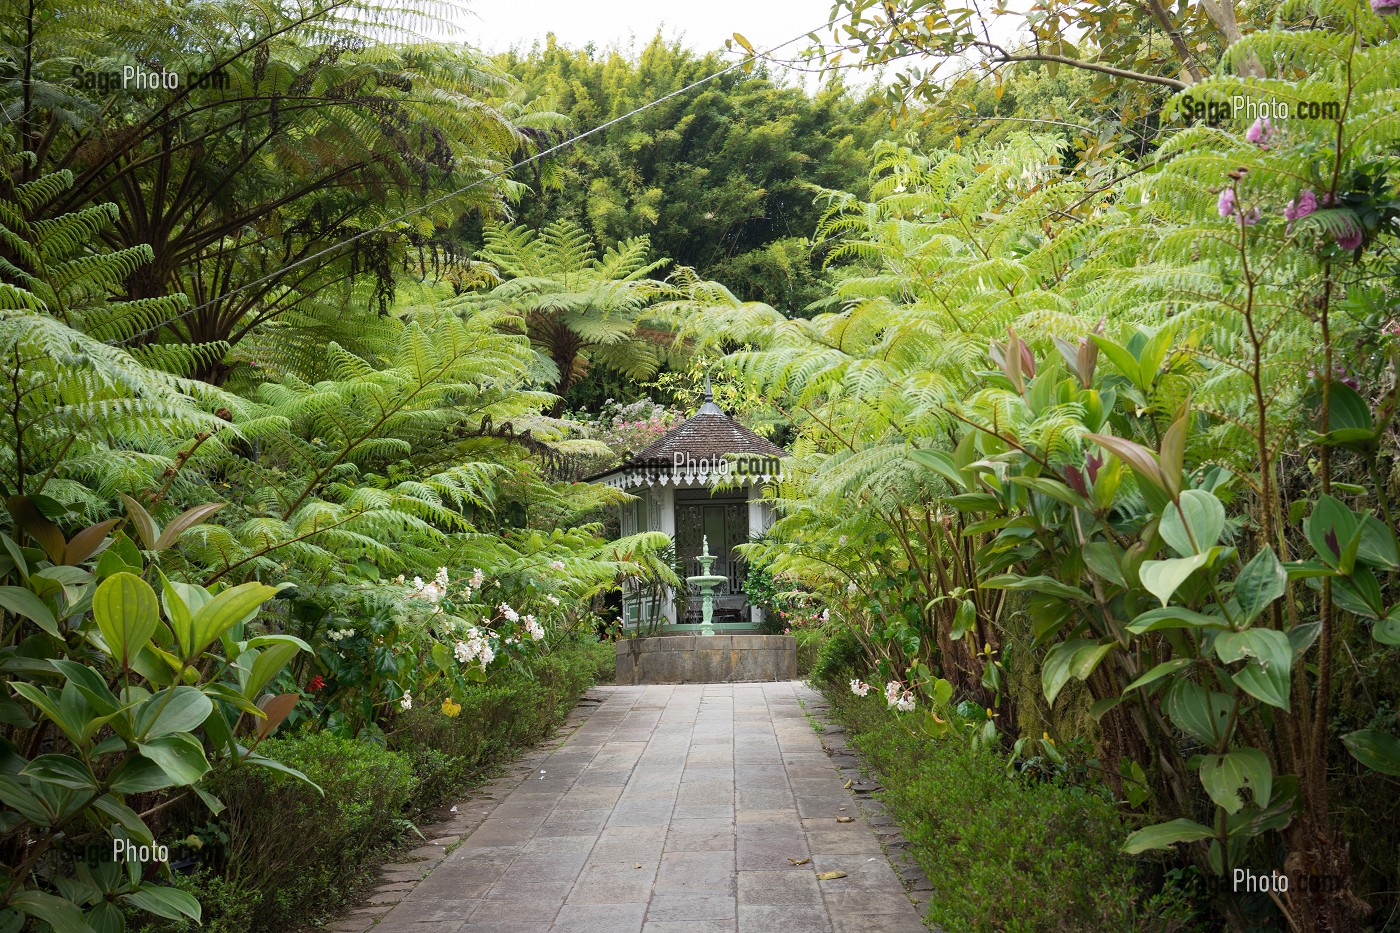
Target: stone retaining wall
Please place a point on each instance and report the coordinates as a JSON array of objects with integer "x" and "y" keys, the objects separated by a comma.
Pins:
[{"x": 702, "y": 659}]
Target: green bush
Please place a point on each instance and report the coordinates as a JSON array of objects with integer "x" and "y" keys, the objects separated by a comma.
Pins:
[
  {"x": 508, "y": 712},
  {"x": 1003, "y": 853},
  {"x": 295, "y": 856},
  {"x": 296, "y": 848},
  {"x": 837, "y": 659}
]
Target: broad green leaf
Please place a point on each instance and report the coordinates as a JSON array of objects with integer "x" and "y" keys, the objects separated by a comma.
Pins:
[
  {"x": 126, "y": 612},
  {"x": 180, "y": 756},
  {"x": 1225, "y": 775},
  {"x": 1157, "y": 673},
  {"x": 1329, "y": 528},
  {"x": 266, "y": 666},
  {"x": 139, "y": 775},
  {"x": 1164, "y": 617},
  {"x": 1103, "y": 559},
  {"x": 1194, "y": 523},
  {"x": 1197, "y": 711},
  {"x": 1119, "y": 356},
  {"x": 1101, "y": 708},
  {"x": 1076, "y": 658},
  {"x": 1165, "y": 835},
  {"x": 169, "y": 903},
  {"x": 174, "y": 709},
  {"x": 224, "y": 611},
  {"x": 442, "y": 657},
  {"x": 262, "y": 761},
  {"x": 1377, "y": 545},
  {"x": 1261, "y": 582},
  {"x": 71, "y": 724},
  {"x": 1052, "y": 488},
  {"x": 23, "y": 602},
  {"x": 1266, "y": 676},
  {"x": 1387, "y": 630},
  {"x": 62, "y": 770},
  {"x": 129, "y": 819},
  {"x": 59, "y": 913},
  {"x": 179, "y": 615},
  {"x": 1379, "y": 751},
  {"x": 1038, "y": 584},
  {"x": 106, "y": 917},
  {"x": 1162, "y": 578},
  {"x": 89, "y": 683},
  {"x": 263, "y": 641},
  {"x": 942, "y": 464},
  {"x": 19, "y": 798}
]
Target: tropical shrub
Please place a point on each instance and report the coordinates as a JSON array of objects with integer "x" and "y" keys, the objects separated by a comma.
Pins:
[
  {"x": 1133, "y": 439},
  {"x": 119, "y": 697},
  {"x": 1020, "y": 854}
]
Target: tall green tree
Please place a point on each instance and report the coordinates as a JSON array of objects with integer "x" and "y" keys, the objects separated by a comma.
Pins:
[
  {"x": 286, "y": 133},
  {"x": 714, "y": 176},
  {"x": 579, "y": 309}
]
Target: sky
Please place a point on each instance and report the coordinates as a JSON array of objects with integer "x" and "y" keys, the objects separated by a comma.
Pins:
[{"x": 496, "y": 25}]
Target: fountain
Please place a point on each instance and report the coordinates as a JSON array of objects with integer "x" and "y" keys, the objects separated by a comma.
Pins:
[{"x": 707, "y": 582}]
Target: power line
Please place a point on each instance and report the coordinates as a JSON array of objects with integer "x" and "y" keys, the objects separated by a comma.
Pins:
[{"x": 737, "y": 63}]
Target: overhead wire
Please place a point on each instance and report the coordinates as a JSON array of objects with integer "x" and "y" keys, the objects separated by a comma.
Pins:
[{"x": 492, "y": 176}]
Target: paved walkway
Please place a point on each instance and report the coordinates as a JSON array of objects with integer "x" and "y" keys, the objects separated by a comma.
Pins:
[{"x": 671, "y": 810}]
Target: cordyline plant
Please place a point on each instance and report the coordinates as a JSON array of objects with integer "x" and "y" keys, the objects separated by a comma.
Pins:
[{"x": 120, "y": 687}]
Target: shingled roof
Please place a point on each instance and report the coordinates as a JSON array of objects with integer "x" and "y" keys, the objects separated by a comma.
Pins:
[{"x": 706, "y": 439}]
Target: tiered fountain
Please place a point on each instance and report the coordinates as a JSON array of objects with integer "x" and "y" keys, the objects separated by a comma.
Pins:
[{"x": 707, "y": 583}]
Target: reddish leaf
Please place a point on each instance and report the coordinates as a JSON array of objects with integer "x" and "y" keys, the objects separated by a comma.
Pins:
[
  {"x": 184, "y": 522},
  {"x": 277, "y": 709},
  {"x": 86, "y": 542}
]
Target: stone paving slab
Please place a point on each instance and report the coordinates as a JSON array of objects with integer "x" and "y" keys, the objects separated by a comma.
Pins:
[{"x": 706, "y": 807}]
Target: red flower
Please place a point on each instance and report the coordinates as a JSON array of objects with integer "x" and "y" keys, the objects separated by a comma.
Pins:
[{"x": 316, "y": 684}]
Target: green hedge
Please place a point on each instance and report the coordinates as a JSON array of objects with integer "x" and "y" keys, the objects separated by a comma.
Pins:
[
  {"x": 294, "y": 857},
  {"x": 1003, "y": 853}
]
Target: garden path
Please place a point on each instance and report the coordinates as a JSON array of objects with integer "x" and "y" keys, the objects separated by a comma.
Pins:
[{"x": 672, "y": 808}]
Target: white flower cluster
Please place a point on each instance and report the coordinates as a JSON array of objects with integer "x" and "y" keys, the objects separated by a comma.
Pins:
[
  {"x": 476, "y": 647},
  {"x": 826, "y": 615},
  {"x": 556, "y": 565},
  {"x": 340, "y": 634},
  {"x": 899, "y": 698},
  {"x": 478, "y": 578},
  {"x": 534, "y": 628},
  {"x": 407, "y": 702},
  {"x": 860, "y": 688},
  {"x": 510, "y": 614},
  {"x": 554, "y": 600},
  {"x": 852, "y": 589},
  {"x": 431, "y": 592}
]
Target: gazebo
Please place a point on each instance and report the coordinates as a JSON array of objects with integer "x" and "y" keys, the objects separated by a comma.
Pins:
[{"x": 701, "y": 481}]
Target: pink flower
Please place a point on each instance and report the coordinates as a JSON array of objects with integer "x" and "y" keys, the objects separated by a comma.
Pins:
[
  {"x": 1385, "y": 7},
  {"x": 1351, "y": 239},
  {"x": 1259, "y": 132},
  {"x": 1303, "y": 205},
  {"x": 1250, "y": 217},
  {"x": 1226, "y": 204}
]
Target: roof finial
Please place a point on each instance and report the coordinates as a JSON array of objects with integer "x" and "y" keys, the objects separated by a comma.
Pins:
[{"x": 709, "y": 408}]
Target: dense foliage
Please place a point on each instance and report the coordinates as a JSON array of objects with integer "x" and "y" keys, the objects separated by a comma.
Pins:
[
  {"x": 1135, "y": 437},
  {"x": 1090, "y": 385}
]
